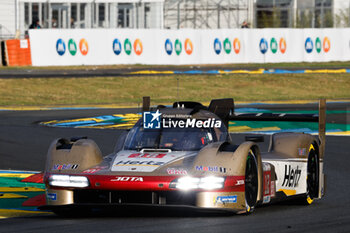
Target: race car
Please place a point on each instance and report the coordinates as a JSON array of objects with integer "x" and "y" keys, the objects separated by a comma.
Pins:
[{"x": 183, "y": 155}]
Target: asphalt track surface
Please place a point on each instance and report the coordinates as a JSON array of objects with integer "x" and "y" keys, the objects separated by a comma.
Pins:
[{"x": 23, "y": 145}]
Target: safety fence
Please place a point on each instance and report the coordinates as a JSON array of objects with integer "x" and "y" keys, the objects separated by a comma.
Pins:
[
  {"x": 183, "y": 47},
  {"x": 52, "y": 47}
]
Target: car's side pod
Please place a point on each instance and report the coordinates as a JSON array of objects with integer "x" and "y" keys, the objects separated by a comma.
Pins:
[{"x": 72, "y": 156}]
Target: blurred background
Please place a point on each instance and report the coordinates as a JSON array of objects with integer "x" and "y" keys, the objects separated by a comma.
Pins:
[{"x": 17, "y": 16}]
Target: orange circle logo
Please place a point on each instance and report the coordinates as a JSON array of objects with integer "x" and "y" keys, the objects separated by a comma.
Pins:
[
  {"x": 138, "y": 48},
  {"x": 326, "y": 44},
  {"x": 84, "y": 47},
  {"x": 283, "y": 45},
  {"x": 236, "y": 45},
  {"x": 188, "y": 46}
]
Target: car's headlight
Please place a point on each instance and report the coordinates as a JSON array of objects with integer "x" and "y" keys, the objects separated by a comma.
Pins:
[
  {"x": 208, "y": 183},
  {"x": 68, "y": 181},
  {"x": 211, "y": 182}
]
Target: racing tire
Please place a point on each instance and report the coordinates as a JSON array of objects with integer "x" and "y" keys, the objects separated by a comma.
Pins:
[
  {"x": 312, "y": 177},
  {"x": 251, "y": 182}
]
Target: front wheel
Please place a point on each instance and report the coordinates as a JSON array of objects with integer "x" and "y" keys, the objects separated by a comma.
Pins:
[{"x": 251, "y": 182}]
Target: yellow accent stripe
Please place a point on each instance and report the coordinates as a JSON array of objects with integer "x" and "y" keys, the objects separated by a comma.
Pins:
[
  {"x": 337, "y": 71},
  {"x": 20, "y": 189},
  {"x": 239, "y": 128},
  {"x": 288, "y": 192},
  {"x": 247, "y": 129},
  {"x": 339, "y": 133},
  {"x": 259, "y": 71},
  {"x": 17, "y": 175},
  {"x": 11, "y": 195},
  {"x": 152, "y": 72},
  {"x": 9, "y": 213}
]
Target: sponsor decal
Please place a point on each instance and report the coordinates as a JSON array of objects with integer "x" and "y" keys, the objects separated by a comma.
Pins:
[
  {"x": 326, "y": 44},
  {"x": 151, "y": 120},
  {"x": 60, "y": 47},
  {"x": 263, "y": 45},
  {"x": 211, "y": 169},
  {"x": 240, "y": 182},
  {"x": 72, "y": 47},
  {"x": 117, "y": 46},
  {"x": 283, "y": 45},
  {"x": 52, "y": 196},
  {"x": 92, "y": 170},
  {"x": 266, "y": 199},
  {"x": 84, "y": 47},
  {"x": 127, "y": 178},
  {"x": 178, "y": 47},
  {"x": 272, "y": 189},
  {"x": 227, "y": 46},
  {"x": 65, "y": 166},
  {"x": 95, "y": 169},
  {"x": 267, "y": 181},
  {"x": 188, "y": 46},
  {"x": 138, "y": 48},
  {"x": 291, "y": 176},
  {"x": 273, "y": 45},
  {"x": 318, "y": 45},
  {"x": 236, "y": 45},
  {"x": 174, "y": 171},
  {"x": 301, "y": 151},
  {"x": 309, "y": 45},
  {"x": 226, "y": 199},
  {"x": 146, "y": 155},
  {"x": 168, "y": 47},
  {"x": 217, "y": 46},
  {"x": 127, "y": 46},
  {"x": 138, "y": 163}
]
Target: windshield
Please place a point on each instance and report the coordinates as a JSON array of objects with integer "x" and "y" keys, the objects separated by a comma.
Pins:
[{"x": 176, "y": 139}]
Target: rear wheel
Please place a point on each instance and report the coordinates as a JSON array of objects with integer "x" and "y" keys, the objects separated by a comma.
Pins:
[
  {"x": 312, "y": 179},
  {"x": 251, "y": 182}
]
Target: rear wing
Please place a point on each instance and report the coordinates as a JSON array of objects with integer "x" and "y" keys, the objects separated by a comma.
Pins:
[{"x": 320, "y": 118}]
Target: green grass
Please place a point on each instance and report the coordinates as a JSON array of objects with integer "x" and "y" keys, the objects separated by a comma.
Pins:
[{"x": 163, "y": 89}]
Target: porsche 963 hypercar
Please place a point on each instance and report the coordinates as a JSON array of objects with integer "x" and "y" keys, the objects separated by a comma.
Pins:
[{"x": 184, "y": 156}]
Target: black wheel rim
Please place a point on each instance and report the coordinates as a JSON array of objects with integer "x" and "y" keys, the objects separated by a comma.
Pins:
[
  {"x": 312, "y": 174},
  {"x": 251, "y": 180}
]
